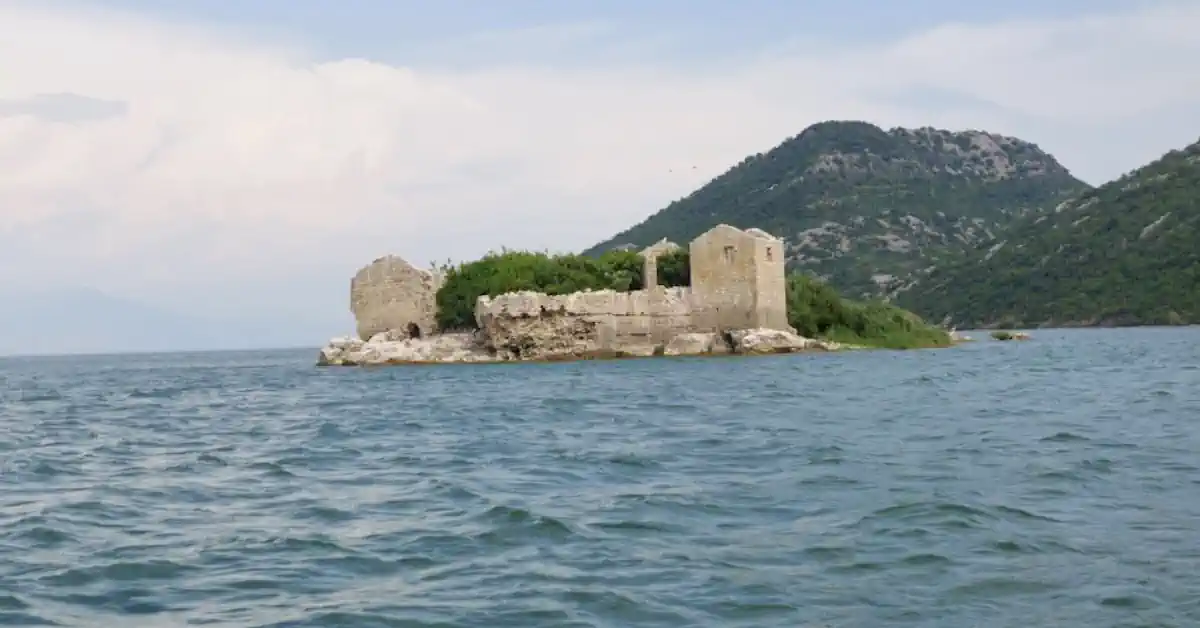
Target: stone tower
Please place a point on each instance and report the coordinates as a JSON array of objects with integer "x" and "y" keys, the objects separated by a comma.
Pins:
[
  {"x": 738, "y": 280},
  {"x": 390, "y": 294}
]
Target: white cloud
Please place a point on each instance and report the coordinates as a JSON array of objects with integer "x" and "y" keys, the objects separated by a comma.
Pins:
[{"x": 227, "y": 164}]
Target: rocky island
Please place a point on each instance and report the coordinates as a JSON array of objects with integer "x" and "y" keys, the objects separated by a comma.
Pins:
[{"x": 736, "y": 301}]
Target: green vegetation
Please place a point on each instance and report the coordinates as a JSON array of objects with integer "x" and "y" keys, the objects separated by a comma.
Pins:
[
  {"x": 867, "y": 209},
  {"x": 817, "y": 311},
  {"x": 814, "y": 309},
  {"x": 675, "y": 268},
  {"x": 1002, "y": 335},
  {"x": 1126, "y": 253},
  {"x": 514, "y": 271}
]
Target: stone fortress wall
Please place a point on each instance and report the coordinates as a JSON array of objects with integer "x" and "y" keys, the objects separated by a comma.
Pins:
[
  {"x": 737, "y": 277},
  {"x": 737, "y": 282},
  {"x": 527, "y": 324}
]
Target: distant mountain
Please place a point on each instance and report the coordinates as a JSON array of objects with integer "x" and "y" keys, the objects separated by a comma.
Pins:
[
  {"x": 82, "y": 320},
  {"x": 1125, "y": 253},
  {"x": 865, "y": 209}
]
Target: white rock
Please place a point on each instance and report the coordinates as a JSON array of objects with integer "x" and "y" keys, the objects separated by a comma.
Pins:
[
  {"x": 379, "y": 350},
  {"x": 695, "y": 344},
  {"x": 759, "y": 341}
]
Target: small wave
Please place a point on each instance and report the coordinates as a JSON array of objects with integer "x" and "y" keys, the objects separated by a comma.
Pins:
[
  {"x": 212, "y": 459},
  {"x": 996, "y": 587},
  {"x": 35, "y": 396},
  {"x": 273, "y": 469},
  {"x": 926, "y": 558},
  {"x": 45, "y": 537},
  {"x": 289, "y": 544},
  {"x": 1065, "y": 437},
  {"x": 1013, "y": 512},
  {"x": 829, "y": 552},
  {"x": 629, "y": 525},
  {"x": 1059, "y": 475},
  {"x": 631, "y": 459},
  {"x": 332, "y": 431},
  {"x": 12, "y": 603},
  {"x": 374, "y": 566},
  {"x": 1131, "y": 602},
  {"x": 507, "y": 521},
  {"x": 921, "y": 511},
  {"x": 326, "y": 514},
  {"x": 17, "y": 618},
  {"x": 123, "y": 571},
  {"x": 154, "y": 393},
  {"x": 1009, "y": 547}
]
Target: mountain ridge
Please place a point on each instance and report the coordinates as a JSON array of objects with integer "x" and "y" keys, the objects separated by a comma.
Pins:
[
  {"x": 1124, "y": 253},
  {"x": 865, "y": 209}
]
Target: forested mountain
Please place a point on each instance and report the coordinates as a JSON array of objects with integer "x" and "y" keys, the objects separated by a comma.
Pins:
[
  {"x": 1125, "y": 253},
  {"x": 866, "y": 209}
]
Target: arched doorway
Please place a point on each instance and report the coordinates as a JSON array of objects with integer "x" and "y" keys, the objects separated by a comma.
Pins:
[{"x": 414, "y": 331}]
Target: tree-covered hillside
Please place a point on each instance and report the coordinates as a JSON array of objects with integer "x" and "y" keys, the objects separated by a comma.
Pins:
[
  {"x": 865, "y": 209},
  {"x": 1125, "y": 253}
]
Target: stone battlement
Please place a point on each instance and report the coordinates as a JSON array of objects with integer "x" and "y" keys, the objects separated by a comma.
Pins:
[{"x": 653, "y": 302}]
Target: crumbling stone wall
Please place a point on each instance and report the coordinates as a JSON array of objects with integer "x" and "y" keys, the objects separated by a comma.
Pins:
[
  {"x": 530, "y": 325},
  {"x": 737, "y": 277},
  {"x": 650, "y": 261},
  {"x": 738, "y": 280},
  {"x": 391, "y": 295}
]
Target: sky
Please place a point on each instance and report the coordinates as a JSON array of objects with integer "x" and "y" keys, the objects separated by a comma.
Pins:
[{"x": 238, "y": 161}]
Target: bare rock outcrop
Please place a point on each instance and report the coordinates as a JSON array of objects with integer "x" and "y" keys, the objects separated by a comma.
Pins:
[
  {"x": 763, "y": 341},
  {"x": 697, "y": 344},
  {"x": 381, "y": 350}
]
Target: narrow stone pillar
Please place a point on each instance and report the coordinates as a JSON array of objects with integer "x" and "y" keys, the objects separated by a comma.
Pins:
[{"x": 649, "y": 270}]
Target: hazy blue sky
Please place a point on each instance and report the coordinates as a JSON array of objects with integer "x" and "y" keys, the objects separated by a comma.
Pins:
[
  {"x": 393, "y": 29},
  {"x": 237, "y": 161}
]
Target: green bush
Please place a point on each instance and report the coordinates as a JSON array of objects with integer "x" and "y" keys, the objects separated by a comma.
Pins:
[
  {"x": 675, "y": 268},
  {"x": 816, "y": 310},
  {"x": 514, "y": 271}
]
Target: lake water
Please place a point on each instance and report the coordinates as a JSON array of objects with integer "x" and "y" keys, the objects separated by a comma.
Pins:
[{"x": 1054, "y": 482}]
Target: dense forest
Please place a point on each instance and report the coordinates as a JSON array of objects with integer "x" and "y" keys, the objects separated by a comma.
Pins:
[{"x": 1125, "y": 253}]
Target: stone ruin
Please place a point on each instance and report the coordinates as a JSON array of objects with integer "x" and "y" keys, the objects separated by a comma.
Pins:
[
  {"x": 391, "y": 296},
  {"x": 737, "y": 285}
]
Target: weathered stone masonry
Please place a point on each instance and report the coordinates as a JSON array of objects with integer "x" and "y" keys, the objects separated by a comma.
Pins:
[
  {"x": 737, "y": 279},
  {"x": 390, "y": 295},
  {"x": 532, "y": 325},
  {"x": 737, "y": 283}
]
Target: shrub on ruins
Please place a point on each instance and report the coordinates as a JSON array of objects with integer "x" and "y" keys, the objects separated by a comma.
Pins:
[
  {"x": 675, "y": 268},
  {"x": 816, "y": 310},
  {"x": 515, "y": 271}
]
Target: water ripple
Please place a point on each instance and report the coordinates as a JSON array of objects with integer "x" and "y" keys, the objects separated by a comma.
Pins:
[{"x": 1051, "y": 483}]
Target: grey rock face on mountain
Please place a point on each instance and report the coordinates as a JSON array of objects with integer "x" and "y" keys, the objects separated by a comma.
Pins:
[{"x": 867, "y": 209}]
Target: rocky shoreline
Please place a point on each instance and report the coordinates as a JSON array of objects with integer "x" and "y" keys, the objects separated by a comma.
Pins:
[{"x": 389, "y": 348}]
